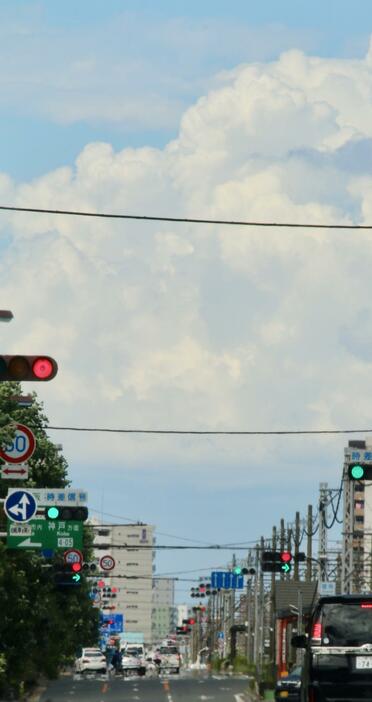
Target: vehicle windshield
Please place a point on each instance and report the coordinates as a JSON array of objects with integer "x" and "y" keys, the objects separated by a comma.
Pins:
[
  {"x": 168, "y": 650},
  {"x": 295, "y": 673},
  {"x": 346, "y": 624},
  {"x": 93, "y": 654}
]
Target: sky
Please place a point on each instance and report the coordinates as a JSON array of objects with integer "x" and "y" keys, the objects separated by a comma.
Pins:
[{"x": 259, "y": 112}]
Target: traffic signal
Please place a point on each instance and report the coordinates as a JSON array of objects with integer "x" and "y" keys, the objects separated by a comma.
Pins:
[
  {"x": 360, "y": 471},
  {"x": 276, "y": 561},
  {"x": 67, "y": 575},
  {"x": 66, "y": 514},
  {"x": 237, "y": 571},
  {"x": 35, "y": 368},
  {"x": 92, "y": 567}
]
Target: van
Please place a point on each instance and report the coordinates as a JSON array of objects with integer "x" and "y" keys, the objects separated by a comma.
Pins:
[{"x": 338, "y": 650}]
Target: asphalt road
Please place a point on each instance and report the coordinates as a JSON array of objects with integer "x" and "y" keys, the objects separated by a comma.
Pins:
[{"x": 183, "y": 688}]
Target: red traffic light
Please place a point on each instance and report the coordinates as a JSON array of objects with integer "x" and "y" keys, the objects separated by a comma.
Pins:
[
  {"x": 76, "y": 567},
  {"x": 191, "y": 621},
  {"x": 34, "y": 368},
  {"x": 285, "y": 556}
]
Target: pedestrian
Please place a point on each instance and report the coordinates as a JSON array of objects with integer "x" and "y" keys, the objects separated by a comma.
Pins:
[{"x": 116, "y": 661}]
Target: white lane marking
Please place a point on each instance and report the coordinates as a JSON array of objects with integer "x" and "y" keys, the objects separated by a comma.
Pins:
[
  {"x": 205, "y": 697},
  {"x": 239, "y": 697}
]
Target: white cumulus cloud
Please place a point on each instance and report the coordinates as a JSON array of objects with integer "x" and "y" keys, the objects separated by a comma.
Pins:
[{"x": 161, "y": 325}]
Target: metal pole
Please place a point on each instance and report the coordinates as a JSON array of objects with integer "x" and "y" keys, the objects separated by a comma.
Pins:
[
  {"x": 309, "y": 550},
  {"x": 282, "y": 542},
  {"x": 322, "y": 545},
  {"x": 296, "y": 569},
  {"x": 256, "y": 609}
]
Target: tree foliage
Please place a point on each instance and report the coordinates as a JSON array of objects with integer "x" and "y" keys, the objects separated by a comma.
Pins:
[{"x": 41, "y": 627}]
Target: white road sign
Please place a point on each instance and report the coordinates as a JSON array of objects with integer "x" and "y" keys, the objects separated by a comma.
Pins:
[
  {"x": 107, "y": 563},
  {"x": 9, "y": 471},
  {"x": 68, "y": 497},
  {"x": 21, "y": 448}
]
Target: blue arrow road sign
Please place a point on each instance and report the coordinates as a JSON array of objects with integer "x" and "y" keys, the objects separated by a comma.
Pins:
[
  {"x": 112, "y": 624},
  {"x": 20, "y": 506}
]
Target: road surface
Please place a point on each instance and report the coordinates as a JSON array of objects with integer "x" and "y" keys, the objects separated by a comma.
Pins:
[{"x": 183, "y": 688}]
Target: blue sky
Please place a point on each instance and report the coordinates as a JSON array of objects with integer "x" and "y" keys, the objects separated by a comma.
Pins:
[
  {"x": 33, "y": 140},
  {"x": 195, "y": 328}
]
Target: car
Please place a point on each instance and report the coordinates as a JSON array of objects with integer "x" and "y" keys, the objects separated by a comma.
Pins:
[
  {"x": 91, "y": 660},
  {"x": 338, "y": 650},
  {"x": 289, "y": 687},
  {"x": 132, "y": 661},
  {"x": 168, "y": 658}
]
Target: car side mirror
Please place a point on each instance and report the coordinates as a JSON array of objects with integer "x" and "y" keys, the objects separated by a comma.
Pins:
[{"x": 299, "y": 641}]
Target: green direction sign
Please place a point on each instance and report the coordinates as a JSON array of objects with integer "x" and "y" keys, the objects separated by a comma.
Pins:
[{"x": 45, "y": 534}]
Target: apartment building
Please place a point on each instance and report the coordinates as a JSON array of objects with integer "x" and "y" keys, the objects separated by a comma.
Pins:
[
  {"x": 163, "y": 611},
  {"x": 131, "y": 546}
]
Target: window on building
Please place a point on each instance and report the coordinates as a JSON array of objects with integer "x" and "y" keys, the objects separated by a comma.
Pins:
[
  {"x": 103, "y": 532},
  {"x": 360, "y": 520}
]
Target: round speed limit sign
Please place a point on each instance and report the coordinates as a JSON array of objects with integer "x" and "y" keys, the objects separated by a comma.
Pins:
[
  {"x": 21, "y": 448},
  {"x": 72, "y": 555},
  {"x": 107, "y": 563}
]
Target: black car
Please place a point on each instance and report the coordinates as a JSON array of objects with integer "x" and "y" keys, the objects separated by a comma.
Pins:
[
  {"x": 289, "y": 687},
  {"x": 338, "y": 656}
]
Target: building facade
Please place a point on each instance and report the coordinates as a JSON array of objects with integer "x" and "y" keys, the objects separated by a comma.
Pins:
[
  {"x": 357, "y": 541},
  {"x": 163, "y": 611},
  {"x": 131, "y": 546}
]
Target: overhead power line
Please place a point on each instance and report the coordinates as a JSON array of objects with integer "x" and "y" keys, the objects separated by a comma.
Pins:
[
  {"x": 168, "y": 547},
  {"x": 186, "y": 220},
  {"x": 207, "y": 432}
]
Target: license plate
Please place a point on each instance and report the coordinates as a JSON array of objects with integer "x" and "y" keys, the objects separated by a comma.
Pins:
[{"x": 363, "y": 662}]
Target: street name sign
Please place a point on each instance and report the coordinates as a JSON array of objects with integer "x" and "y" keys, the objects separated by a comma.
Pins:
[
  {"x": 225, "y": 580},
  {"x": 45, "y": 534},
  {"x": 9, "y": 471},
  {"x": 58, "y": 496},
  {"x": 20, "y": 506},
  {"x": 21, "y": 448}
]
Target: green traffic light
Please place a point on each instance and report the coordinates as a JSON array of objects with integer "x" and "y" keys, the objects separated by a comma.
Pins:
[
  {"x": 237, "y": 571},
  {"x": 357, "y": 472},
  {"x": 53, "y": 512}
]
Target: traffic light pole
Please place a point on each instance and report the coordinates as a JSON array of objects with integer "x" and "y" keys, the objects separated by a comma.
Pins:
[{"x": 296, "y": 569}]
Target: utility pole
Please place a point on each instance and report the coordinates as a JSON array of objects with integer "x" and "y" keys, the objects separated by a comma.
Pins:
[
  {"x": 296, "y": 569},
  {"x": 289, "y": 546},
  {"x": 322, "y": 544},
  {"x": 272, "y": 607},
  {"x": 256, "y": 608},
  {"x": 309, "y": 550},
  {"x": 249, "y": 611}
]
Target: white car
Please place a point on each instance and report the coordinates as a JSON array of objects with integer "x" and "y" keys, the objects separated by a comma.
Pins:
[
  {"x": 132, "y": 664},
  {"x": 169, "y": 657},
  {"x": 91, "y": 660}
]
